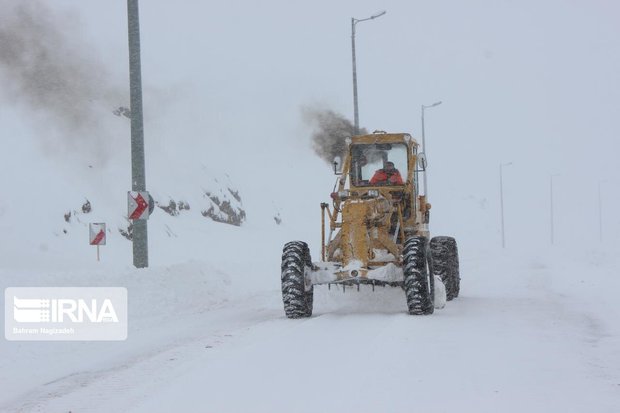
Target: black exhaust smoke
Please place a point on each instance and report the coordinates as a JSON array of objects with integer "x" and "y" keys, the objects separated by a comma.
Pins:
[
  {"x": 47, "y": 70},
  {"x": 331, "y": 130}
]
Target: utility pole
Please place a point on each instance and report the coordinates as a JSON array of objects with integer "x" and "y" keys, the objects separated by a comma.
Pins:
[{"x": 138, "y": 179}]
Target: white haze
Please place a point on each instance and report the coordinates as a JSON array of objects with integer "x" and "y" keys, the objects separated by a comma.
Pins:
[{"x": 529, "y": 82}]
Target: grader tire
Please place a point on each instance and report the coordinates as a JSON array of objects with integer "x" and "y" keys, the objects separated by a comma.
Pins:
[
  {"x": 418, "y": 280},
  {"x": 297, "y": 298},
  {"x": 446, "y": 264}
]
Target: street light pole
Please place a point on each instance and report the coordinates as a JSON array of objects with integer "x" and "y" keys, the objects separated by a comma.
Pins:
[
  {"x": 551, "y": 217},
  {"x": 138, "y": 179},
  {"x": 501, "y": 199},
  {"x": 600, "y": 212},
  {"x": 356, "y": 119},
  {"x": 354, "y": 21},
  {"x": 424, "y": 145}
]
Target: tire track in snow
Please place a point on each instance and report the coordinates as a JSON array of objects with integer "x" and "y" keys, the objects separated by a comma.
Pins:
[{"x": 128, "y": 383}]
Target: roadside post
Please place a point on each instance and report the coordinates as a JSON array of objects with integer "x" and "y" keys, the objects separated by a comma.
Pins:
[{"x": 96, "y": 235}]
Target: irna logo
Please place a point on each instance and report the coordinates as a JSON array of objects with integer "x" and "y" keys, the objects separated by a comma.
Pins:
[
  {"x": 38, "y": 310},
  {"x": 65, "y": 313}
]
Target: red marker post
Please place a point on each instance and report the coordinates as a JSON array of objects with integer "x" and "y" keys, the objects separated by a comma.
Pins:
[{"x": 96, "y": 235}]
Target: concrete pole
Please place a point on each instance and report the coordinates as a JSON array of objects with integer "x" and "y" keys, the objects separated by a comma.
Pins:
[{"x": 138, "y": 179}]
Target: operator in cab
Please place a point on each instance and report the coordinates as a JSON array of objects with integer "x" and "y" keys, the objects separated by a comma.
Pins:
[{"x": 389, "y": 175}]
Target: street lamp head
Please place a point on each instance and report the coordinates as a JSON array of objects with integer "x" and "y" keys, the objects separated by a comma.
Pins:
[
  {"x": 374, "y": 16},
  {"x": 378, "y": 14},
  {"x": 431, "y": 106}
]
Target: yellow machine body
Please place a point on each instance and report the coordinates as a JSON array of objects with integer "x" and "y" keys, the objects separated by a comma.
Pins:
[{"x": 369, "y": 220}]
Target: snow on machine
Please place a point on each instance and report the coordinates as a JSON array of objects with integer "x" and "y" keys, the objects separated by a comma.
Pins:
[{"x": 378, "y": 231}]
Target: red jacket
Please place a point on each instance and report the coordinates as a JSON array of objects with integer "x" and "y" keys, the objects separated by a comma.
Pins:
[{"x": 381, "y": 176}]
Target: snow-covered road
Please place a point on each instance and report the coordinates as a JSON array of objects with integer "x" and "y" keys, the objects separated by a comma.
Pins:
[{"x": 527, "y": 334}]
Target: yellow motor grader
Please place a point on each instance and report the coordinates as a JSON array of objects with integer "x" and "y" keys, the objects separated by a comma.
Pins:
[{"x": 378, "y": 231}]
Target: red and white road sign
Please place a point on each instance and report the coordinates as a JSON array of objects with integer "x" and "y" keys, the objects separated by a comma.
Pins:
[
  {"x": 138, "y": 204},
  {"x": 96, "y": 233}
]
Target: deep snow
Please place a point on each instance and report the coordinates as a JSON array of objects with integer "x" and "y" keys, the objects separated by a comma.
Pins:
[{"x": 532, "y": 330}]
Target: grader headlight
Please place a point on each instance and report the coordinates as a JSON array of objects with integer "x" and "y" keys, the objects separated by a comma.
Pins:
[
  {"x": 341, "y": 195},
  {"x": 344, "y": 194}
]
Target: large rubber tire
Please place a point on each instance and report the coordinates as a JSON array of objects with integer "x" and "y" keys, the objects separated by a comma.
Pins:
[
  {"x": 296, "y": 295},
  {"x": 446, "y": 264},
  {"x": 419, "y": 283}
]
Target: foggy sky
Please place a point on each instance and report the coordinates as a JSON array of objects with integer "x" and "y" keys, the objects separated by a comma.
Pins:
[{"x": 536, "y": 83}]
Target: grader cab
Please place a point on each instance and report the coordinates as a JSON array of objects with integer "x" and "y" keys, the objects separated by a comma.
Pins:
[{"x": 377, "y": 231}]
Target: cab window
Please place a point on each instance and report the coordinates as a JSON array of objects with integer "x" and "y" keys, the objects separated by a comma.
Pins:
[{"x": 371, "y": 162}]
